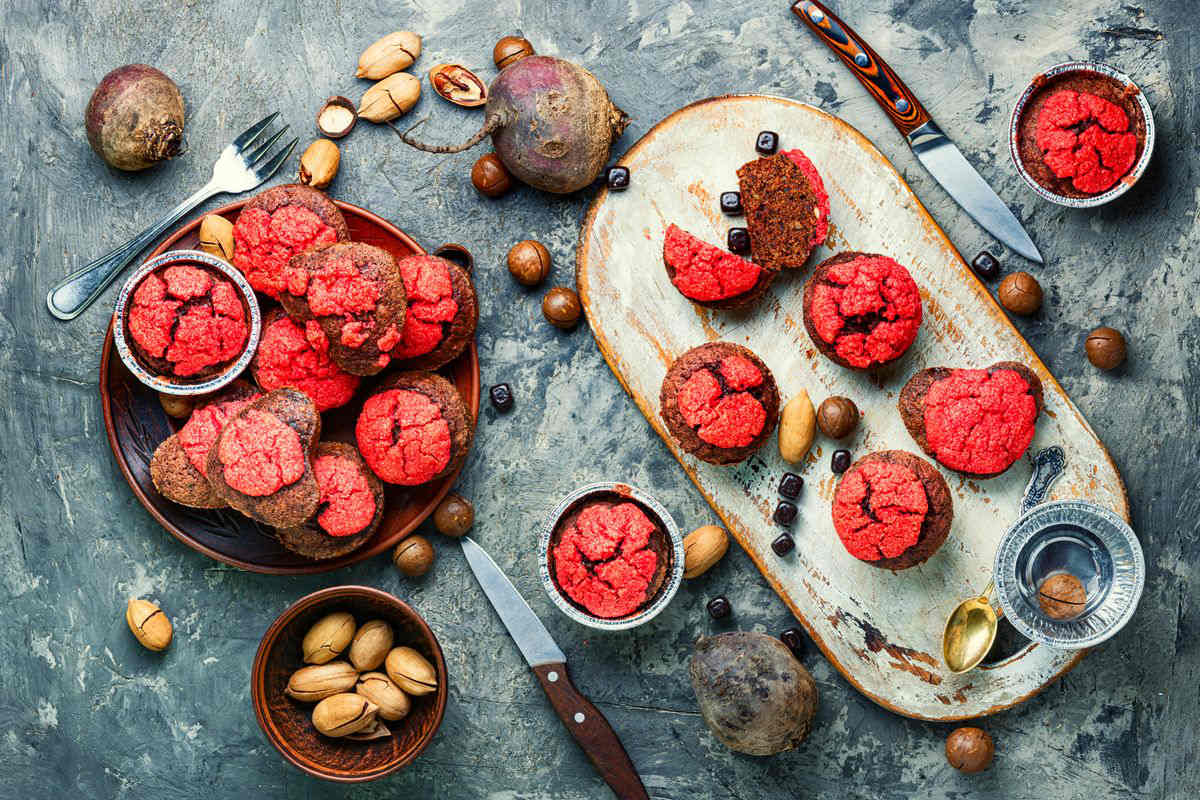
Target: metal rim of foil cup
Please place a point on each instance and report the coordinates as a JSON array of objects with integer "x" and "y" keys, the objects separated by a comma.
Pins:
[
  {"x": 1127, "y": 181},
  {"x": 1129, "y": 574},
  {"x": 163, "y": 383},
  {"x": 665, "y": 594}
]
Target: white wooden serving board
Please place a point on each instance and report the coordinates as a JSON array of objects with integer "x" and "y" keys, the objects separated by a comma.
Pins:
[{"x": 881, "y": 629}]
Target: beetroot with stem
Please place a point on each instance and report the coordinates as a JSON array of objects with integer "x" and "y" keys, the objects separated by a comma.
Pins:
[
  {"x": 551, "y": 122},
  {"x": 135, "y": 118}
]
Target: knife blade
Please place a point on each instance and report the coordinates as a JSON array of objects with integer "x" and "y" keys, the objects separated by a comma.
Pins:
[
  {"x": 582, "y": 719},
  {"x": 940, "y": 156}
]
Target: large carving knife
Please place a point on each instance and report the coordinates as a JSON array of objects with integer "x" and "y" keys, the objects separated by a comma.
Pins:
[
  {"x": 583, "y": 720},
  {"x": 931, "y": 147}
]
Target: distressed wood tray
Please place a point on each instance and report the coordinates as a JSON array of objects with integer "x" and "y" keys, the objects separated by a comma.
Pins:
[{"x": 881, "y": 629}]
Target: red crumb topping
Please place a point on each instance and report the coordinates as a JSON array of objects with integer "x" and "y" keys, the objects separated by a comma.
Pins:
[
  {"x": 719, "y": 408},
  {"x": 878, "y": 510},
  {"x": 603, "y": 560},
  {"x": 264, "y": 242},
  {"x": 403, "y": 436},
  {"x": 287, "y": 358},
  {"x": 868, "y": 308},
  {"x": 316, "y": 336},
  {"x": 980, "y": 422},
  {"x": 806, "y": 166},
  {"x": 704, "y": 272},
  {"x": 430, "y": 305},
  {"x": 349, "y": 505},
  {"x": 261, "y": 454},
  {"x": 1085, "y": 138},
  {"x": 190, "y": 317},
  {"x": 204, "y": 425}
]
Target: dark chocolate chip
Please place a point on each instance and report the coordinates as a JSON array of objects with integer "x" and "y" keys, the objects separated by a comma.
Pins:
[
  {"x": 794, "y": 639},
  {"x": 840, "y": 461},
  {"x": 501, "y": 396},
  {"x": 767, "y": 142},
  {"x": 617, "y": 178},
  {"x": 790, "y": 485},
  {"x": 731, "y": 202},
  {"x": 986, "y": 265},
  {"x": 783, "y": 544},
  {"x": 738, "y": 240},
  {"x": 785, "y": 513},
  {"x": 719, "y": 607}
]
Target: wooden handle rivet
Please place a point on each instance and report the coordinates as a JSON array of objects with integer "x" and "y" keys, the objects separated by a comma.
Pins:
[
  {"x": 902, "y": 105},
  {"x": 862, "y": 60},
  {"x": 579, "y": 717},
  {"x": 552, "y": 676},
  {"x": 816, "y": 15}
]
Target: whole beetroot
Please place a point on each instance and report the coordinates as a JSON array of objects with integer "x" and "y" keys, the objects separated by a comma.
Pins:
[
  {"x": 135, "y": 118},
  {"x": 551, "y": 122},
  {"x": 752, "y": 692}
]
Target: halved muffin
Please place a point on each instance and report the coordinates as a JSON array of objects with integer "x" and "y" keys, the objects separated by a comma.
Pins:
[
  {"x": 892, "y": 509},
  {"x": 710, "y": 276},
  {"x": 720, "y": 402},
  {"x": 783, "y": 211}
]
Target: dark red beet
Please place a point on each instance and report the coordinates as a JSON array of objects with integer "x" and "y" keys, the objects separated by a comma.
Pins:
[{"x": 135, "y": 118}]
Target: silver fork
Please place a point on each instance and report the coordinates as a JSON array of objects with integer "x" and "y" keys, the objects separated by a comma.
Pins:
[{"x": 243, "y": 165}]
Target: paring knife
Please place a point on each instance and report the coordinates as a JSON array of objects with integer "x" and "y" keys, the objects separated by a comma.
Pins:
[
  {"x": 932, "y": 147},
  {"x": 583, "y": 720}
]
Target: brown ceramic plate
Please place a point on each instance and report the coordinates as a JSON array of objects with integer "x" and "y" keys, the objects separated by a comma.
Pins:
[
  {"x": 287, "y": 723},
  {"x": 136, "y": 423}
]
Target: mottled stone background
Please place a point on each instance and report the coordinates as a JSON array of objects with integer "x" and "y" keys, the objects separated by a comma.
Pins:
[{"x": 85, "y": 712}]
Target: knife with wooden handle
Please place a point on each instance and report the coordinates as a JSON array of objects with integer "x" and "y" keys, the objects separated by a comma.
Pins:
[
  {"x": 931, "y": 146},
  {"x": 582, "y": 719}
]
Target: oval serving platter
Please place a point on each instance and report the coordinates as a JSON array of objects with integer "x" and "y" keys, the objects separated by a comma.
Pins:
[
  {"x": 881, "y": 629},
  {"x": 136, "y": 423}
]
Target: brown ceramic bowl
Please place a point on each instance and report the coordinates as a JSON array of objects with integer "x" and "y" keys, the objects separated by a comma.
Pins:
[{"x": 287, "y": 723}]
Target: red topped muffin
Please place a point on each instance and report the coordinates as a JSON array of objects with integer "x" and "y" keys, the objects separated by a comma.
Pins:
[
  {"x": 720, "y": 402},
  {"x": 1080, "y": 133},
  {"x": 414, "y": 429},
  {"x": 609, "y": 558},
  {"x": 278, "y": 224},
  {"x": 285, "y": 357},
  {"x": 783, "y": 211},
  {"x": 187, "y": 321},
  {"x": 441, "y": 315},
  {"x": 974, "y": 421},
  {"x": 892, "y": 509},
  {"x": 821, "y": 229},
  {"x": 862, "y": 310},
  {"x": 354, "y": 294},
  {"x": 350, "y": 506},
  {"x": 710, "y": 276}
]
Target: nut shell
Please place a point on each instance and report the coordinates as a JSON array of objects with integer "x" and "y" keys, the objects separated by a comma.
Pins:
[
  {"x": 379, "y": 689},
  {"x": 370, "y": 645},
  {"x": 490, "y": 177},
  {"x": 319, "y": 164},
  {"x": 343, "y": 714},
  {"x": 837, "y": 417},
  {"x": 561, "y": 308},
  {"x": 315, "y": 682},
  {"x": 510, "y": 50},
  {"x": 1020, "y": 293},
  {"x": 797, "y": 428},
  {"x": 328, "y": 638},
  {"x": 454, "y": 516},
  {"x": 1105, "y": 348},
  {"x": 702, "y": 548},
  {"x": 529, "y": 262},
  {"x": 388, "y": 54},
  {"x": 970, "y": 750},
  {"x": 149, "y": 624},
  {"x": 459, "y": 85},
  {"x": 411, "y": 671},
  {"x": 392, "y": 97},
  {"x": 216, "y": 237},
  {"x": 177, "y": 406},
  {"x": 337, "y": 117},
  {"x": 413, "y": 556}
]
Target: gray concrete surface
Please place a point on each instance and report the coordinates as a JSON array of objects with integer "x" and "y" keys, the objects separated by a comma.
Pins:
[{"x": 84, "y": 712}]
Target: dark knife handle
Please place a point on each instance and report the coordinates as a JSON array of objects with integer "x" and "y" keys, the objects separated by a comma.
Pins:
[
  {"x": 592, "y": 731},
  {"x": 903, "y": 109}
]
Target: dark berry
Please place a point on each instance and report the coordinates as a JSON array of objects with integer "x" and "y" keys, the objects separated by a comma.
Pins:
[
  {"x": 501, "y": 396},
  {"x": 783, "y": 544},
  {"x": 986, "y": 265},
  {"x": 719, "y": 607},
  {"x": 840, "y": 461},
  {"x": 794, "y": 639},
  {"x": 617, "y": 178},
  {"x": 785, "y": 513},
  {"x": 767, "y": 142},
  {"x": 738, "y": 240},
  {"x": 790, "y": 485},
  {"x": 731, "y": 202}
]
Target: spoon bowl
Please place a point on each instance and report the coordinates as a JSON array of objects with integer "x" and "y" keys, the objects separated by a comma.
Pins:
[{"x": 969, "y": 634}]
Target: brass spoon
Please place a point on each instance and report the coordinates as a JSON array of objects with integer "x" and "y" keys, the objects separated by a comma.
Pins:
[{"x": 970, "y": 631}]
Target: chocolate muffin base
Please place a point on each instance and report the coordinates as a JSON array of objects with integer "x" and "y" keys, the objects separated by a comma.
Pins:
[
  {"x": 938, "y": 519},
  {"x": 459, "y": 332},
  {"x": 297, "y": 194},
  {"x": 912, "y": 404},
  {"x": 709, "y": 356},
  {"x": 781, "y": 211}
]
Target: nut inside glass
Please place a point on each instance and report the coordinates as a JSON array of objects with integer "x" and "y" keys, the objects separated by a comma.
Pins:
[{"x": 673, "y": 550}]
